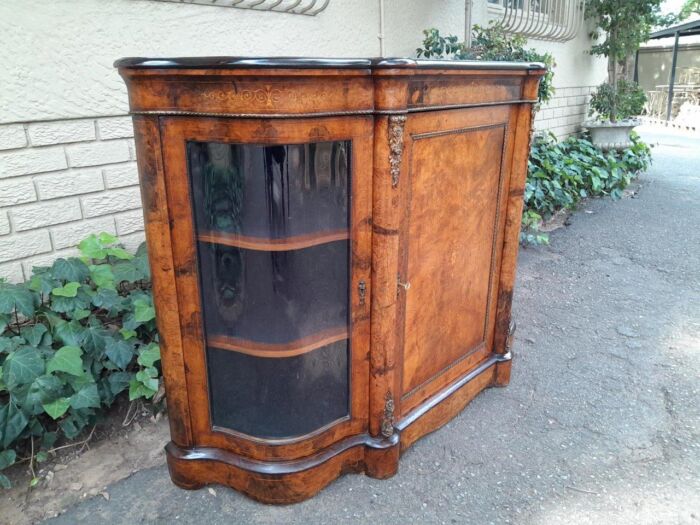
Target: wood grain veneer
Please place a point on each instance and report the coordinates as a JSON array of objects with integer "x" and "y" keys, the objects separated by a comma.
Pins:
[{"x": 437, "y": 171}]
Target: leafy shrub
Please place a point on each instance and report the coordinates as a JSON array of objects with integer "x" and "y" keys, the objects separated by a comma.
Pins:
[
  {"x": 73, "y": 338},
  {"x": 620, "y": 103},
  {"x": 489, "y": 43},
  {"x": 560, "y": 174}
]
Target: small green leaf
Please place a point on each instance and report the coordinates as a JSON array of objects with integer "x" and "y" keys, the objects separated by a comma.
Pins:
[
  {"x": 67, "y": 290},
  {"x": 149, "y": 382},
  {"x": 41, "y": 456},
  {"x": 137, "y": 390},
  {"x": 91, "y": 248},
  {"x": 16, "y": 296},
  {"x": 106, "y": 238},
  {"x": 71, "y": 269},
  {"x": 57, "y": 408},
  {"x": 22, "y": 367},
  {"x": 149, "y": 355},
  {"x": 143, "y": 310},
  {"x": 67, "y": 359},
  {"x": 86, "y": 397},
  {"x": 12, "y": 423},
  {"x": 70, "y": 333},
  {"x": 7, "y": 458},
  {"x": 33, "y": 482},
  {"x": 119, "y": 253},
  {"x": 102, "y": 275},
  {"x": 5, "y": 482},
  {"x": 80, "y": 314},
  {"x": 118, "y": 381},
  {"x": 127, "y": 334},
  {"x": 120, "y": 352},
  {"x": 34, "y": 335}
]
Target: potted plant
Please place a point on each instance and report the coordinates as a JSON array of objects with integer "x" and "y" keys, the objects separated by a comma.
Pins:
[
  {"x": 625, "y": 24},
  {"x": 614, "y": 109}
]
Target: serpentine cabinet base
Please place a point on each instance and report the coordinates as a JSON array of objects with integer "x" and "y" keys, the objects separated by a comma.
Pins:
[{"x": 333, "y": 246}]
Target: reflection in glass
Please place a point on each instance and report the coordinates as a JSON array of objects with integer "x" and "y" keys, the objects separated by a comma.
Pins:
[
  {"x": 274, "y": 296},
  {"x": 277, "y": 398},
  {"x": 274, "y": 250},
  {"x": 270, "y": 192}
]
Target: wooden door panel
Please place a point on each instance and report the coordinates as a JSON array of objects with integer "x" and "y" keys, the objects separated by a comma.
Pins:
[{"x": 450, "y": 238}]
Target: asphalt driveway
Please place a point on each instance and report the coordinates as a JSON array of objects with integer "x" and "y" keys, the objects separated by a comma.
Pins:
[{"x": 600, "y": 423}]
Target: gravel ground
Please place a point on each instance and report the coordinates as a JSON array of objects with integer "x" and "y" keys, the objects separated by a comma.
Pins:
[{"x": 600, "y": 422}]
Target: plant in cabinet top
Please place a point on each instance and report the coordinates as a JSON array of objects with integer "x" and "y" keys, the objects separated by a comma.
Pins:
[{"x": 489, "y": 43}]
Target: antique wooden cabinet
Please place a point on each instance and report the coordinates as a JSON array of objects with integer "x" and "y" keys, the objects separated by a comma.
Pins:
[{"x": 333, "y": 246}]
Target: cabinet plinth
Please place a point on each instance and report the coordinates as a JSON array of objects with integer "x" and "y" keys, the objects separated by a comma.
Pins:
[{"x": 333, "y": 248}]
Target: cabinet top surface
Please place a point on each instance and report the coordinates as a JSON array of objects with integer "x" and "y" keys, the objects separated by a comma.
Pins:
[{"x": 316, "y": 63}]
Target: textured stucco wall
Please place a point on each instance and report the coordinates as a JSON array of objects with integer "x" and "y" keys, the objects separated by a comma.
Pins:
[{"x": 67, "y": 165}]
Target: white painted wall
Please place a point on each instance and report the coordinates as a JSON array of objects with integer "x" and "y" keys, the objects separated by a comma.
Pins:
[{"x": 67, "y": 163}]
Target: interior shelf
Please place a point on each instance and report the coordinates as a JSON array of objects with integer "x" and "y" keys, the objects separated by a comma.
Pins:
[
  {"x": 283, "y": 244},
  {"x": 277, "y": 350}
]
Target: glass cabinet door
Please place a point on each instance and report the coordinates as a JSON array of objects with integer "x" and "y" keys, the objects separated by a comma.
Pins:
[{"x": 273, "y": 244}]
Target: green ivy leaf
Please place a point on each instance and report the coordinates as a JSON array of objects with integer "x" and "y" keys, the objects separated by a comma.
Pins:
[
  {"x": 118, "y": 381},
  {"x": 120, "y": 352},
  {"x": 102, "y": 275},
  {"x": 106, "y": 239},
  {"x": 127, "y": 271},
  {"x": 108, "y": 300},
  {"x": 63, "y": 304},
  {"x": 12, "y": 423},
  {"x": 143, "y": 310},
  {"x": 42, "y": 390},
  {"x": 92, "y": 248},
  {"x": 57, "y": 408},
  {"x": 144, "y": 376},
  {"x": 70, "y": 333},
  {"x": 67, "y": 290},
  {"x": 119, "y": 253},
  {"x": 127, "y": 334},
  {"x": 149, "y": 355},
  {"x": 137, "y": 390},
  {"x": 36, "y": 335},
  {"x": 7, "y": 458},
  {"x": 16, "y": 296},
  {"x": 22, "y": 367},
  {"x": 95, "y": 340},
  {"x": 86, "y": 397},
  {"x": 71, "y": 269},
  {"x": 66, "y": 359}
]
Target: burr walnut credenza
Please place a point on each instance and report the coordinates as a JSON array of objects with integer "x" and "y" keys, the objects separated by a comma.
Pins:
[{"x": 333, "y": 245}]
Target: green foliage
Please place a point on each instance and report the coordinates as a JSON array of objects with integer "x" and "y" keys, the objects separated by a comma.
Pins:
[
  {"x": 489, "y": 43},
  {"x": 560, "y": 174},
  {"x": 617, "y": 103},
  {"x": 622, "y": 25},
  {"x": 691, "y": 7},
  {"x": 73, "y": 337}
]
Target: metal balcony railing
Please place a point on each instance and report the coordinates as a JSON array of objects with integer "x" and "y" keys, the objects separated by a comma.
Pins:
[
  {"x": 295, "y": 7},
  {"x": 555, "y": 20}
]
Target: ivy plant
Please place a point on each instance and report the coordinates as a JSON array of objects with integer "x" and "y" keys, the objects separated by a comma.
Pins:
[
  {"x": 489, "y": 43},
  {"x": 73, "y": 337},
  {"x": 560, "y": 174}
]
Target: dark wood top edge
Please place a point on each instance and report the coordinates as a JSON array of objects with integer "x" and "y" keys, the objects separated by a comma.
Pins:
[{"x": 316, "y": 63}]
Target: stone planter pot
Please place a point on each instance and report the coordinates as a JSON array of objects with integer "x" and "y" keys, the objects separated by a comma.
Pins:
[{"x": 611, "y": 135}]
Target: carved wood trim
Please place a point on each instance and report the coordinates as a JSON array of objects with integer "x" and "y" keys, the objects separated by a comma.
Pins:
[{"x": 396, "y": 125}]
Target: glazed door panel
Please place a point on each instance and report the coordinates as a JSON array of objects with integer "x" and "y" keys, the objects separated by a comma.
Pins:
[
  {"x": 450, "y": 237},
  {"x": 272, "y": 249}
]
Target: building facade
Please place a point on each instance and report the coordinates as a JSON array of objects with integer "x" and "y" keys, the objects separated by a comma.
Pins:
[{"x": 67, "y": 161}]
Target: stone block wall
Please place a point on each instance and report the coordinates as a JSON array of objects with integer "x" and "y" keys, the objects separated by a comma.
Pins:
[{"x": 61, "y": 181}]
